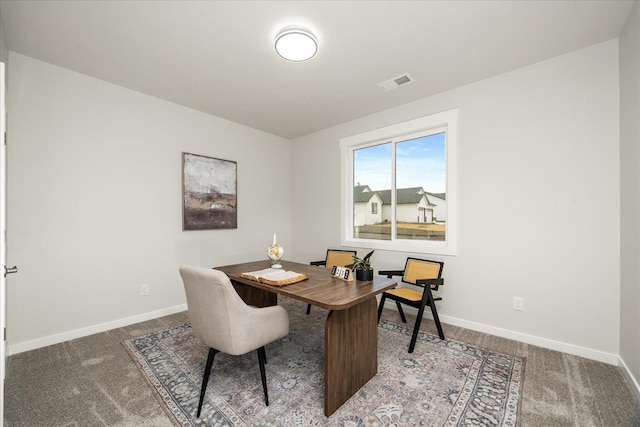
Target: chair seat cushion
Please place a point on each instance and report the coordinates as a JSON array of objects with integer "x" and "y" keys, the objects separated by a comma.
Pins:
[{"x": 409, "y": 294}]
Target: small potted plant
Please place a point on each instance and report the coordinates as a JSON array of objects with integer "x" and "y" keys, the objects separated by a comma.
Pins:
[{"x": 362, "y": 267}]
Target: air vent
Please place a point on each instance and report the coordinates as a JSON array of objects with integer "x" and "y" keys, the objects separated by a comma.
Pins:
[{"x": 395, "y": 82}]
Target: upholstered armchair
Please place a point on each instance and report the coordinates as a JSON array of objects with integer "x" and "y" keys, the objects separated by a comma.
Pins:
[{"x": 225, "y": 323}]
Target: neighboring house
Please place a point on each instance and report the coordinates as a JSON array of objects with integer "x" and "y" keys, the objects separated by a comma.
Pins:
[
  {"x": 440, "y": 209},
  {"x": 367, "y": 206},
  {"x": 412, "y": 205}
]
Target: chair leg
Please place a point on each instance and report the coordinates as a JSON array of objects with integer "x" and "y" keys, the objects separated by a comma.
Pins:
[
  {"x": 381, "y": 306},
  {"x": 416, "y": 328},
  {"x": 261, "y": 359},
  {"x": 308, "y": 308},
  {"x": 205, "y": 379},
  {"x": 434, "y": 312},
  {"x": 401, "y": 311}
]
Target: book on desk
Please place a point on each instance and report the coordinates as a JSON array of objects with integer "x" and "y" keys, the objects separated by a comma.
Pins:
[{"x": 275, "y": 277}]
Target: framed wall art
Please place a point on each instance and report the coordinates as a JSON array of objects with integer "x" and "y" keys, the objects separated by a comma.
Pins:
[{"x": 209, "y": 193}]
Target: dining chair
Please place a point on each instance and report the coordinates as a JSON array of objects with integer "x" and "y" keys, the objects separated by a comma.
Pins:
[
  {"x": 339, "y": 257},
  {"x": 225, "y": 323},
  {"x": 422, "y": 273}
]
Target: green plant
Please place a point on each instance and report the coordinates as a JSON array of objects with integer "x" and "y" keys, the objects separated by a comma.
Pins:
[{"x": 362, "y": 263}]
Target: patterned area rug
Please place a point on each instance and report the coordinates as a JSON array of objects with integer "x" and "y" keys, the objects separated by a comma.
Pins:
[{"x": 442, "y": 383}]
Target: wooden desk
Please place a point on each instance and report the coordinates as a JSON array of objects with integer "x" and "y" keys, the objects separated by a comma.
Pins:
[{"x": 351, "y": 330}]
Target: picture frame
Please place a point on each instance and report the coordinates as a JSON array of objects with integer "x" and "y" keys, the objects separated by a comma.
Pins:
[{"x": 209, "y": 193}]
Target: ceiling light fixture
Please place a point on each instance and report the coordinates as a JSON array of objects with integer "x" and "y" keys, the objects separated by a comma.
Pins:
[{"x": 296, "y": 44}]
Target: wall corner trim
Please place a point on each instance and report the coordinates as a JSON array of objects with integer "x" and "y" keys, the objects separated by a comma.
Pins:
[{"x": 633, "y": 382}]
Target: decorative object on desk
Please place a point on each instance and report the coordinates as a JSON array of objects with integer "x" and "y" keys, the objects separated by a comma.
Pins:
[
  {"x": 273, "y": 277},
  {"x": 209, "y": 193},
  {"x": 443, "y": 383},
  {"x": 275, "y": 252},
  {"x": 362, "y": 267},
  {"x": 339, "y": 257},
  {"x": 343, "y": 273}
]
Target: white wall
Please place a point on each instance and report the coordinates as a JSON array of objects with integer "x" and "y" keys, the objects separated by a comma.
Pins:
[
  {"x": 545, "y": 133},
  {"x": 630, "y": 192},
  {"x": 4, "y": 53},
  {"x": 94, "y": 201}
]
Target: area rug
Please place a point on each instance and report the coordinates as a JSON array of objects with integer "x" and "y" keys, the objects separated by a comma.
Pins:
[{"x": 442, "y": 383}]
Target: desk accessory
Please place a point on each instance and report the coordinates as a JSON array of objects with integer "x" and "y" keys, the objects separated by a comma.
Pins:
[
  {"x": 343, "y": 273},
  {"x": 275, "y": 252},
  {"x": 274, "y": 277},
  {"x": 362, "y": 267}
]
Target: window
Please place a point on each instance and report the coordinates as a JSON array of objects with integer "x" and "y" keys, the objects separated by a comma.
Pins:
[{"x": 406, "y": 174}]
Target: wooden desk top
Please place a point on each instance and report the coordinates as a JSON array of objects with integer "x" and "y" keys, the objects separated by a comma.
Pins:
[{"x": 321, "y": 289}]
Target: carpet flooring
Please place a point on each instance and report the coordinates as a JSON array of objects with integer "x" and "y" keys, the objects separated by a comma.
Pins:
[
  {"x": 442, "y": 383},
  {"x": 92, "y": 381}
]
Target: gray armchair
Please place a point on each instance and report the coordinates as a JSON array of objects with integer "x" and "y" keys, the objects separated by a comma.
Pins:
[{"x": 222, "y": 320}]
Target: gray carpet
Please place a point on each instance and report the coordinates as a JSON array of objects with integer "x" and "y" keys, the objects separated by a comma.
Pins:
[{"x": 92, "y": 381}]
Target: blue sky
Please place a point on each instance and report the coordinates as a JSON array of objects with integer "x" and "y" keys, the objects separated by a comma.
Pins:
[{"x": 420, "y": 163}]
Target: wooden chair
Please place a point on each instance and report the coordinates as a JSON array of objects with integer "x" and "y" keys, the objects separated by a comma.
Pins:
[
  {"x": 222, "y": 320},
  {"x": 338, "y": 257},
  {"x": 425, "y": 274}
]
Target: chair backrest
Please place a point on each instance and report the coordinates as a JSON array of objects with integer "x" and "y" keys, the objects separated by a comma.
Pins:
[
  {"x": 339, "y": 257},
  {"x": 213, "y": 305},
  {"x": 416, "y": 269}
]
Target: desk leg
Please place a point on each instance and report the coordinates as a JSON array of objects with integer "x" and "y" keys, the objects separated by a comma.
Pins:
[{"x": 351, "y": 352}]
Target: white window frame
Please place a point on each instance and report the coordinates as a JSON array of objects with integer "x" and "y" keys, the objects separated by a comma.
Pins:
[{"x": 435, "y": 123}]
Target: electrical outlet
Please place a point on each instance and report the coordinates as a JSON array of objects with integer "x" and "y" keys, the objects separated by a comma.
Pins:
[
  {"x": 518, "y": 303},
  {"x": 144, "y": 290}
]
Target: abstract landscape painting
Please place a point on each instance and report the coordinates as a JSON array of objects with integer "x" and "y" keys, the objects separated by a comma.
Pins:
[{"x": 209, "y": 193}]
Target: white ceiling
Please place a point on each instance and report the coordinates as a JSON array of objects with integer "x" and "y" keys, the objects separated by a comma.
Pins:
[{"x": 218, "y": 57}]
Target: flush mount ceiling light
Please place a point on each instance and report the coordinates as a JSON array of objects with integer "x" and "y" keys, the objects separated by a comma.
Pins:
[{"x": 296, "y": 44}]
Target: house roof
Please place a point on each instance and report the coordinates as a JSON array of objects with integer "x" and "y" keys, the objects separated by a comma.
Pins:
[
  {"x": 362, "y": 193},
  {"x": 442, "y": 196},
  {"x": 404, "y": 195}
]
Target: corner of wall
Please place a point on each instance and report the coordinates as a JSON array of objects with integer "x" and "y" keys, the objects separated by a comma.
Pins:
[
  {"x": 629, "y": 53},
  {"x": 4, "y": 50}
]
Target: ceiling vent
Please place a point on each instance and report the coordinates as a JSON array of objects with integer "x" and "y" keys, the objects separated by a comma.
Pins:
[{"x": 395, "y": 82}]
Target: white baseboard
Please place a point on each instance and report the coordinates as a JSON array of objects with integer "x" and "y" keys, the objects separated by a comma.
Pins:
[
  {"x": 630, "y": 378},
  {"x": 90, "y": 330},
  {"x": 601, "y": 356},
  {"x": 610, "y": 358}
]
